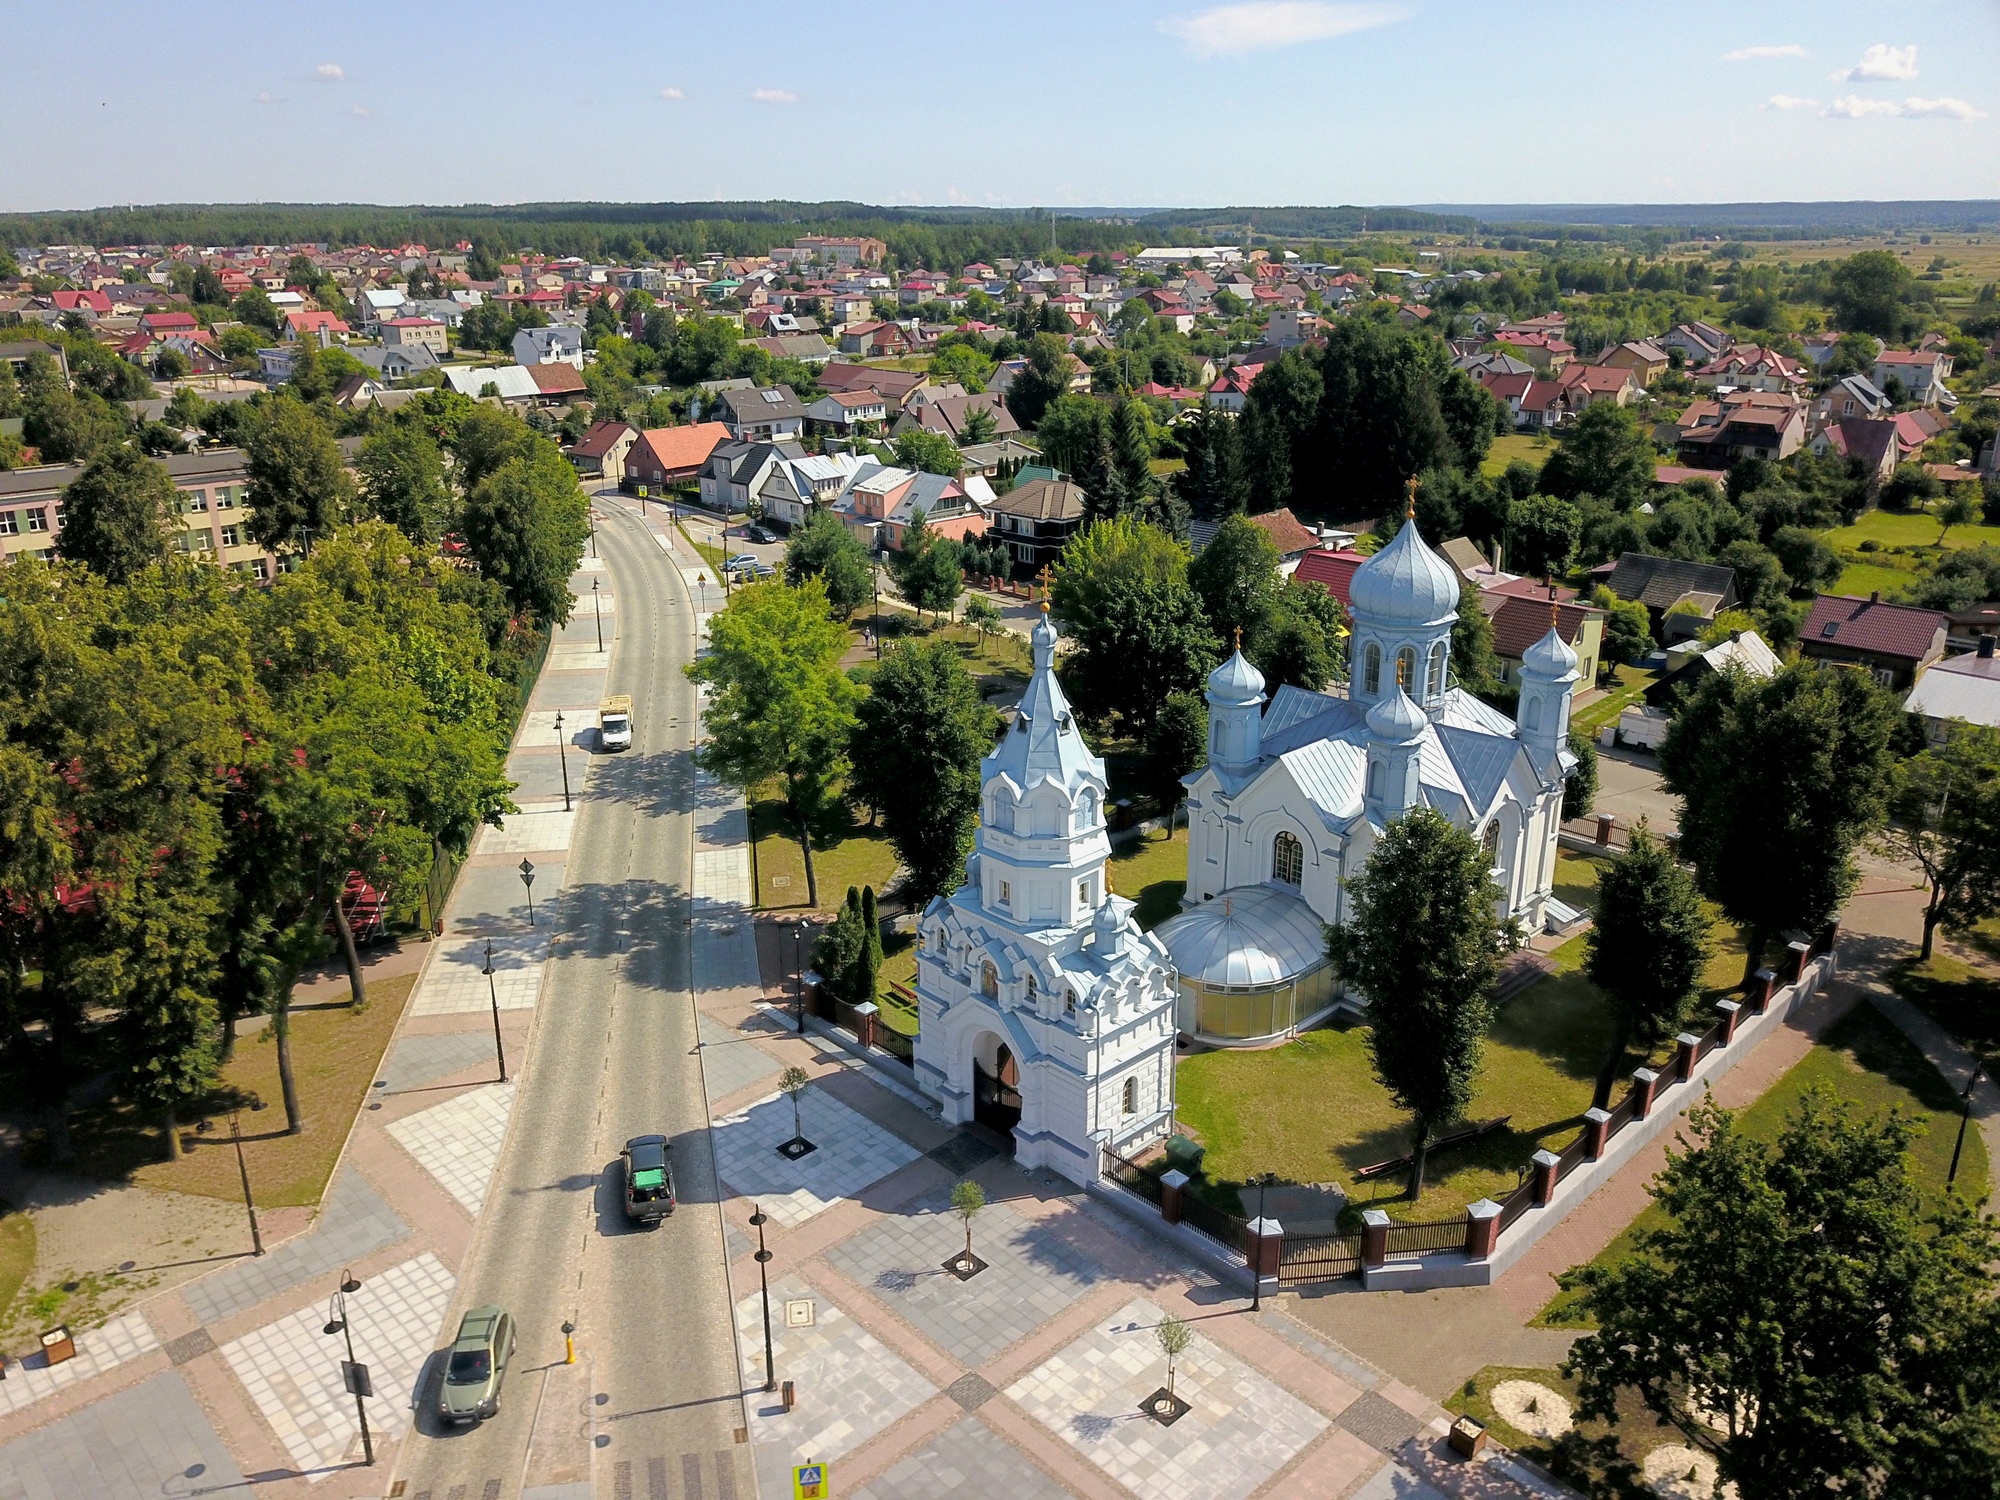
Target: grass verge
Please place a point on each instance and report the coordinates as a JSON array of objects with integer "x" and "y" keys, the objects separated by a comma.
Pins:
[
  {"x": 1600, "y": 1458},
  {"x": 1629, "y": 686},
  {"x": 17, "y": 1254},
  {"x": 845, "y": 852}
]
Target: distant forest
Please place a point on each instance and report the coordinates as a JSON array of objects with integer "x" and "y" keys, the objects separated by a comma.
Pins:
[{"x": 948, "y": 236}]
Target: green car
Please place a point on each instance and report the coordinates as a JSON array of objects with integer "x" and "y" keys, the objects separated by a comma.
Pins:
[{"x": 478, "y": 1364}]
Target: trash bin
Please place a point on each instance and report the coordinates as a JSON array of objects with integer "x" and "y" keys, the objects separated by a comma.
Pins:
[
  {"x": 1467, "y": 1437},
  {"x": 57, "y": 1345}
]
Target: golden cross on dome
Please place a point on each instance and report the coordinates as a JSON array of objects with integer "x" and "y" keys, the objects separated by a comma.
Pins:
[
  {"x": 1410, "y": 503},
  {"x": 1555, "y": 607},
  {"x": 1047, "y": 574},
  {"x": 1239, "y": 638}
]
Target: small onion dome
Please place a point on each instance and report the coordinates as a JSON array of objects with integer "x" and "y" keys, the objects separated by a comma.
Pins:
[
  {"x": 1235, "y": 681},
  {"x": 1396, "y": 719},
  {"x": 1551, "y": 656},
  {"x": 1404, "y": 584}
]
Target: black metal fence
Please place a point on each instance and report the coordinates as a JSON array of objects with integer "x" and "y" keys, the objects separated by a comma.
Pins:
[
  {"x": 1428, "y": 1238},
  {"x": 1130, "y": 1174},
  {"x": 1306, "y": 1258}
]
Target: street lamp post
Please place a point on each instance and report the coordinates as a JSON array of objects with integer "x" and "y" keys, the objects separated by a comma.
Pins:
[
  {"x": 764, "y": 1282},
  {"x": 593, "y": 531},
  {"x": 875, "y": 587},
  {"x": 243, "y": 1171},
  {"x": 528, "y": 879},
  {"x": 499, "y": 1050},
  {"x": 597, "y": 602},
  {"x": 1964, "y": 1119},
  {"x": 799, "y": 969},
  {"x": 353, "y": 1375},
  {"x": 562, "y": 752}
]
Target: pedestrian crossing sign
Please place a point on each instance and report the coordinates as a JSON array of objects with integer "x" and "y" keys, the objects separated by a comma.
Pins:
[{"x": 809, "y": 1482}]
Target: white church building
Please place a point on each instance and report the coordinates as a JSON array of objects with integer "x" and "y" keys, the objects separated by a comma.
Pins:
[
  {"x": 1295, "y": 795},
  {"x": 1043, "y": 1010}
]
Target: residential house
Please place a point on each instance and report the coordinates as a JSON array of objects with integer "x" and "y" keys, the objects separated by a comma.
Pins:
[
  {"x": 1871, "y": 443},
  {"x": 1333, "y": 569},
  {"x": 666, "y": 456},
  {"x": 404, "y": 333},
  {"x": 950, "y": 414},
  {"x": 600, "y": 453},
  {"x": 849, "y": 412},
  {"x": 1472, "y": 565},
  {"x": 987, "y": 459},
  {"x": 1850, "y": 396},
  {"x": 1584, "y": 386},
  {"x": 792, "y": 488},
  {"x": 557, "y": 383},
  {"x": 1958, "y": 690},
  {"x": 1754, "y": 368},
  {"x": 1232, "y": 388},
  {"x": 1895, "y": 642},
  {"x": 15, "y": 356},
  {"x": 1740, "y": 424},
  {"x": 1547, "y": 351},
  {"x": 1519, "y": 621},
  {"x": 1744, "y": 650},
  {"x": 736, "y": 470},
  {"x": 324, "y": 326},
  {"x": 1645, "y": 359},
  {"x": 376, "y": 304},
  {"x": 1922, "y": 373},
  {"x": 770, "y": 414},
  {"x": 1680, "y": 597},
  {"x": 874, "y": 340},
  {"x": 806, "y": 348},
  {"x": 895, "y": 386},
  {"x": 392, "y": 363},
  {"x": 1036, "y": 519},
  {"x": 556, "y": 344},
  {"x": 162, "y": 325},
  {"x": 1699, "y": 343}
]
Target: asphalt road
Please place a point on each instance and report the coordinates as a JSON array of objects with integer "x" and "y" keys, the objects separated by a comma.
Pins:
[{"x": 655, "y": 1392}]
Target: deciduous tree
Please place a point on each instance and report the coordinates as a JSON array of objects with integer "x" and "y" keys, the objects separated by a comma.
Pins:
[
  {"x": 823, "y": 548},
  {"x": 118, "y": 514},
  {"x": 1944, "y": 817},
  {"x": 299, "y": 489},
  {"x": 526, "y": 524}
]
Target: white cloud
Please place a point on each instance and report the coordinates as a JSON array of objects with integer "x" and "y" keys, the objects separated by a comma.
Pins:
[
  {"x": 672, "y": 94},
  {"x": 360, "y": 111},
  {"x": 1263, "y": 25},
  {"x": 774, "y": 96},
  {"x": 330, "y": 73},
  {"x": 1882, "y": 64},
  {"x": 264, "y": 97},
  {"x": 1949, "y": 109},
  {"x": 1788, "y": 101},
  {"x": 1854, "y": 107},
  {"x": 1751, "y": 54}
]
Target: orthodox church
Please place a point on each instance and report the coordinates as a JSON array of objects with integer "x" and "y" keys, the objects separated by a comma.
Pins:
[
  {"x": 1296, "y": 793},
  {"x": 1043, "y": 1010}
]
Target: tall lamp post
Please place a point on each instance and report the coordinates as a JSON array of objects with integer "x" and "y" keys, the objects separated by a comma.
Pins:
[
  {"x": 562, "y": 752},
  {"x": 493, "y": 994},
  {"x": 1964, "y": 1119},
  {"x": 528, "y": 879},
  {"x": 353, "y": 1375},
  {"x": 243, "y": 1171},
  {"x": 764, "y": 1281},
  {"x": 799, "y": 971},
  {"x": 597, "y": 602}
]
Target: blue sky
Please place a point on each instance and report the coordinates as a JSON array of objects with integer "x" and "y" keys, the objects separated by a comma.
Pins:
[{"x": 1026, "y": 102}]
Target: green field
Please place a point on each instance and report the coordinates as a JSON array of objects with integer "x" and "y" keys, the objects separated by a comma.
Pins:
[
  {"x": 1905, "y": 548},
  {"x": 1527, "y": 447}
]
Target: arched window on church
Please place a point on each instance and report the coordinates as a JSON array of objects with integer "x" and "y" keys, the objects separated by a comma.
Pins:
[
  {"x": 1288, "y": 858},
  {"x": 1532, "y": 717},
  {"x": 1434, "y": 685},
  {"x": 1131, "y": 1096},
  {"x": 1371, "y": 678},
  {"x": 989, "y": 980},
  {"x": 1086, "y": 810},
  {"x": 1491, "y": 842},
  {"x": 1069, "y": 1004},
  {"x": 1406, "y": 670},
  {"x": 1374, "y": 778},
  {"x": 1032, "y": 991}
]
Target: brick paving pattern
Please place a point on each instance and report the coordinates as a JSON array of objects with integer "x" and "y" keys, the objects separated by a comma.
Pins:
[
  {"x": 731, "y": 1061},
  {"x": 455, "y": 983},
  {"x": 854, "y": 1152},
  {"x": 418, "y": 1060},
  {"x": 291, "y": 1368},
  {"x": 151, "y": 1439},
  {"x": 1239, "y": 1429},
  {"x": 1031, "y": 1275},
  {"x": 1395, "y": 1483},
  {"x": 458, "y": 1141},
  {"x": 354, "y": 1222},
  {"x": 97, "y": 1350},
  {"x": 967, "y": 1462}
]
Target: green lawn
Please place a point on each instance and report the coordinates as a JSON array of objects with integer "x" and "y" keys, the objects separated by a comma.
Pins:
[
  {"x": 1905, "y": 548},
  {"x": 845, "y": 852},
  {"x": 1599, "y": 1458},
  {"x": 1866, "y": 1060},
  {"x": 17, "y": 1253},
  {"x": 899, "y": 966},
  {"x": 1859, "y": 580},
  {"x": 1524, "y": 446},
  {"x": 1958, "y": 998},
  {"x": 1153, "y": 872},
  {"x": 1576, "y": 880},
  {"x": 1312, "y": 1110},
  {"x": 1632, "y": 683}
]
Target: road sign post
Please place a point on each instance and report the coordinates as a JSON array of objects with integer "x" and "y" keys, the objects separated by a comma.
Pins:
[{"x": 812, "y": 1481}]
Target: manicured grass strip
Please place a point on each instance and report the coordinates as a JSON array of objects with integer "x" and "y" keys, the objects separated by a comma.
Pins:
[
  {"x": 1510, "y": 447},
  {"x": 845, "y": 852},
  {"x": 17, "y": 1254},
  {"x": 1632, "y": 683},
  {"x": 1152, "y": 872}
]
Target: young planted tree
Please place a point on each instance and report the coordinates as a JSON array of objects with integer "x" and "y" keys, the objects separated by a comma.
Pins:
[
  {"x": 1779, "y": 779},
  {"x": 1944, "y": 817},
  {"x": 1174, "y": 1336},
  {"x": 983, "y": 615},
  {"x": 922, "y": 731},
  {"x": 967, "y": 1198},
  {"x": 1804, "y": 1314},
  {"x": 793, "y": 1083},
  {"x": 779, "y": 706},
  {"x": 1646, "y": 949},
  {"x": 1424, "y": 946}
]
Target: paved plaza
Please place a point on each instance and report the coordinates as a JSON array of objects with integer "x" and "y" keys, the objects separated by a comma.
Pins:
[
  {"x": 354, "y": 1222},
  {"x": 852, "y": 1152},
  {"x": 151, "y": 1439},
  {"x": 456, "y": 982},
  {"x": 968, "y": 1461},
  {"x": 97, "y": 1349},
  {"x": 458, "y": 1141}
]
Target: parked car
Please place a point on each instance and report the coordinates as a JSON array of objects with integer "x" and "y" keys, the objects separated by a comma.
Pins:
[
  {"x": 649, "y": 1178},
  {"x": 744, "y": 565},
  {"x": 762, "y": 534},
  {"x": 478, "y": 1365}
]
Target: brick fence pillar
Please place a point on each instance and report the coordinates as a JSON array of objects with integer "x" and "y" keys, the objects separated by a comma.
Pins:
[
  {"x": 864, "y": 1021},
  {"x": 1596, "y": 1131},
  {"x": 1264, "y": 1243},
  {"x": 1173, "y": 1192},
  {"x": 1684, "y": 1048},
  {"x": 1731, "y": 1011},
  {"x": 1482, "y": 1229},
  {"x": 1801, "y": 956},
  {"x": 1828, "y": 936},
  {"x": 1762, "y": 987},
  {"x": 1374, "y": 1238},
  {"x": 1645, "y": 1082},
  {"x": 1546, "y": 1163},
  {"x": 1605, "y": 823}
]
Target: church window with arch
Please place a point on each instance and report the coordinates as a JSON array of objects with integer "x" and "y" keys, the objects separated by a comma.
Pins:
[
  {"x": 1032, "y": 990},
  {"x": 1069, "y": 1004},
  {"x": 1434, "y": 683},
  {"x": 1131, "y": 1096},
  {"x": 1288, "y": 858},
  {"x": 1532, "y": 718},
  {"x": 1406, "y": 670},
  {"x": 1371, "y": 677},
  {"x": 989, "y": 980}
]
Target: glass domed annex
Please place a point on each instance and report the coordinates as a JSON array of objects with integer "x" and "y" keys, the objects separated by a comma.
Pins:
[{"x": 1253, "y": 966}]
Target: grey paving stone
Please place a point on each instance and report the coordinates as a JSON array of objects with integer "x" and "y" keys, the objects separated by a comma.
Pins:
[
  {"x": 354, "y": 1222},
  {"x": 963, "y": 1152},
  {"x": 1379, "y": 1422},
  {"x": 967, "y": 1462},
  {"x": 189, "y": 1347},
  {"x": 731, "y": 1060},
  {"x": 418, "y": 1060},
  {"x": 147, "y": 1441},
  {"x": 971, "y": 1391},
  {"x": 1031, "y": 1275}
]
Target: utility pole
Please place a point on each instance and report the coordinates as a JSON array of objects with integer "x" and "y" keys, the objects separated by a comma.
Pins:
[
  {"x": 352, "y": 1374},
  {"x": 597, "y": 602}
]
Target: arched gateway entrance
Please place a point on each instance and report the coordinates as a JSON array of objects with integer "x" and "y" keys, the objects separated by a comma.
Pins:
[{"x": 996, "y": 1086}]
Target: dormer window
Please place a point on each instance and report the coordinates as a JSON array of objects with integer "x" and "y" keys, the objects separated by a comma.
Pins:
[{"x": 1069, "y": 1004}]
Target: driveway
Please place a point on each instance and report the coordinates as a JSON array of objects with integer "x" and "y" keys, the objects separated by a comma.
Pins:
[{"x": 1629, "y": 788}]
